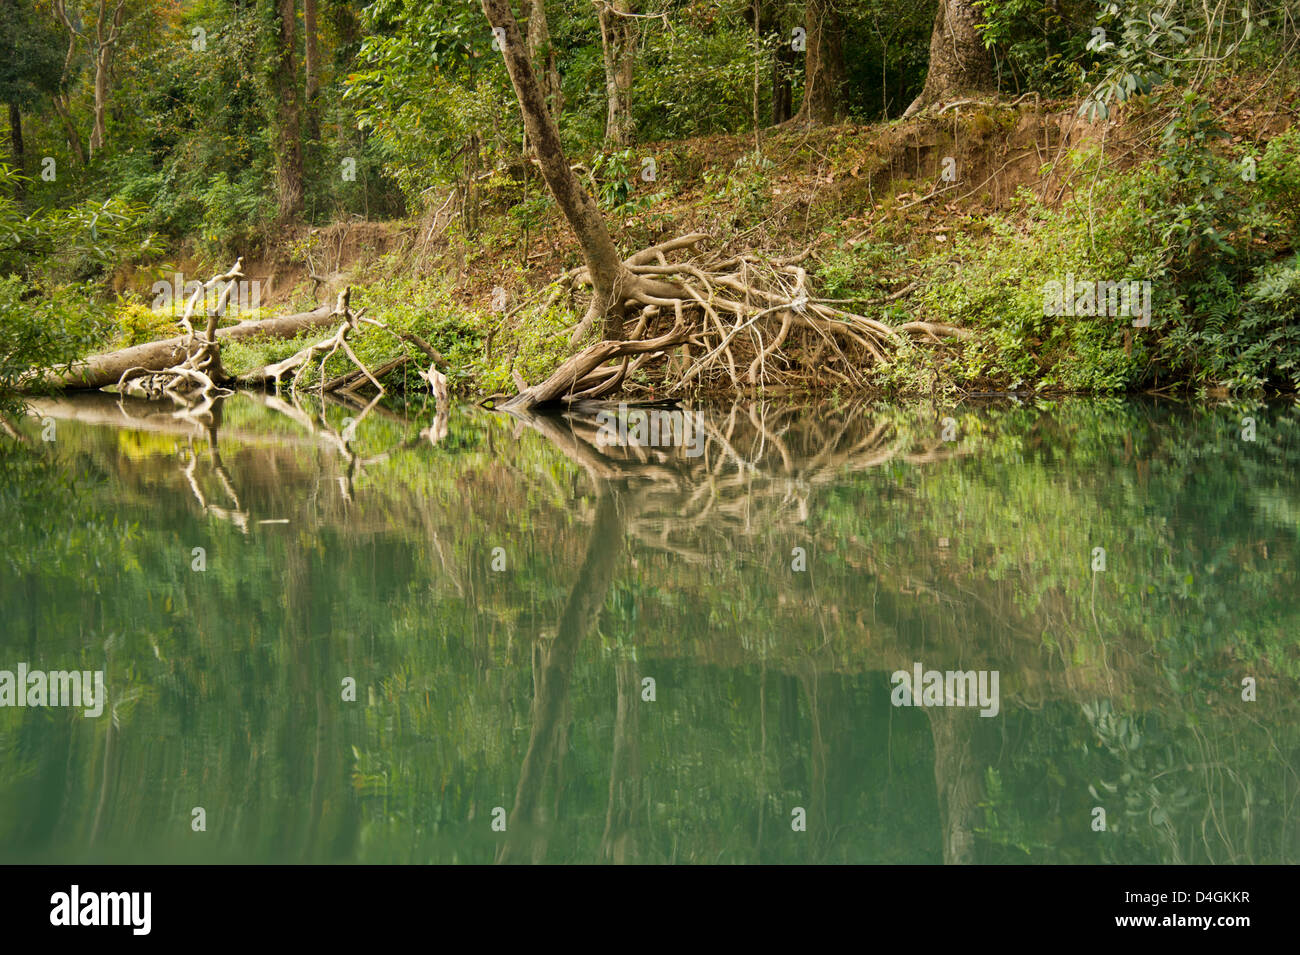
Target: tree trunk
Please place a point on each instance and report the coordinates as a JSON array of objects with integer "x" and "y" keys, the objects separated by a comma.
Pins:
[
  {"x": 784, "y": 64},
  {"x": 16, "y": 147},
  {"x": 97, "y": 129},
  {"x": 608, "y": 275},
  {"x": 959, "y": 61},
  {"x": 618, "y": 44},
  {"x": 104, "y": 43},
  {"x": 288, "y": 96},
  {"x": 823, "y": 93},
  {"x": 311, "y": 68},
  {"x": 62, "y": 99},
  {"x": 542, "y": 55},
  {"x": 63, "y": 106}
]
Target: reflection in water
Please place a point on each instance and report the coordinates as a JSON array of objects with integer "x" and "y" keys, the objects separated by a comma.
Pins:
[
  {"x": 551, "y": 697},
  {"x": 500, "y": 638}
]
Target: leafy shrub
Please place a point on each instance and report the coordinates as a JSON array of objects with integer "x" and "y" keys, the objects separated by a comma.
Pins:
[
  {"x": 138, "y": 323},
  {"x": 1224, "y": 309},
  {"x": 39, "y": 331}
]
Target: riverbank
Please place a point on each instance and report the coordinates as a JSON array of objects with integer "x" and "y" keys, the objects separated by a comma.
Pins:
[{"x": 1030, "y": 249}]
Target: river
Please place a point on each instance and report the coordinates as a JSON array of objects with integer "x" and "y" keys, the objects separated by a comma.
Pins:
[{"x": 338, "y": 634}]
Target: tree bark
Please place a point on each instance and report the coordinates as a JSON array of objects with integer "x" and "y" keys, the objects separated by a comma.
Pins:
[
  {"x": 62, "y": 99},
  {"x": 288, "y": 96},
  {"x": 959, "y": 61},
  {"x": 784, "y": 64},
  {"x": 542, "y": 55},
  {"x": 609, "y": 277},
  {"x": 823, "y": 94},
  {"x": 106, "y": 37},
  {"x": 618, "y": 35}
]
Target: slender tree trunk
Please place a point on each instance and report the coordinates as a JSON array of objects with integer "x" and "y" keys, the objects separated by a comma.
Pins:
[
  {"x": 106, "y": 36},
  {"x": 284, "y": 80},
  {"x": 823, "y": 93},
  {"x": 311, "y": 68},
  {"x": 784, "y": 63},
  {"x": 542, "y": 54},
  {"x": 97, "y": 130},
  {"x": 618, "y": 36},
  {"x": 758, "y": 72},
  {"x": 608, "y": 275},
  {"x": 16, "y": 147},
  {"x": 62, "y": 99},
  {"x": 959, "y": 61},
  {"x": 884, "y": 68},
  {"x": 63, "y": 106}
]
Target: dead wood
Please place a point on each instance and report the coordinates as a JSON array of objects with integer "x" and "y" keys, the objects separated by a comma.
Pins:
[{"x": 747, "y": 322}]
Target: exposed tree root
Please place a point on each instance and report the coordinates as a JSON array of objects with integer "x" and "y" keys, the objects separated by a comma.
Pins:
[
  {"x": 744, "y": 321},
  {"x": 193, "y": 383}
]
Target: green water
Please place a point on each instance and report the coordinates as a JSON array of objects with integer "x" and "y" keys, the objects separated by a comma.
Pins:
[{"x": 768, "y": 586}]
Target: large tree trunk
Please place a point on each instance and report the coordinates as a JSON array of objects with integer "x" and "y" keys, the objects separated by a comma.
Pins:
[
  {"x": 823, "y": 94},
  {"x": 618, "y": 44},
  {"x": 959, "y": 765},
  {"x": 609, "y": 277},
  {"x": 959, "y": 61},
  {"x": 288, "y": 96}
]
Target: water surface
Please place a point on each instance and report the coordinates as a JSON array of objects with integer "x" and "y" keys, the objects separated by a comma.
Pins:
[{"x": 651, "y": 655}]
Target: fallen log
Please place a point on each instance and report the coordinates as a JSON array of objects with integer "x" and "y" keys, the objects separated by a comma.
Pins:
[{"x": 100, "y": 371}]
